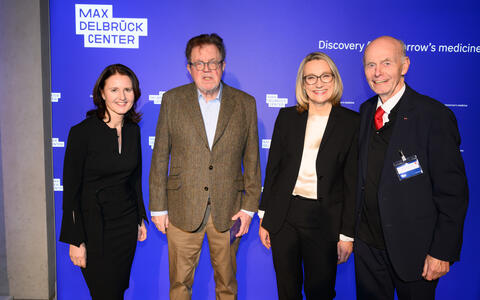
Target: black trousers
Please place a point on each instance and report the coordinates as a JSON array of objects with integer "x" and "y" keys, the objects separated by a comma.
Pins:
[
  {"x": 376, "y": 278},
  {"x": 299, "y": 242}
]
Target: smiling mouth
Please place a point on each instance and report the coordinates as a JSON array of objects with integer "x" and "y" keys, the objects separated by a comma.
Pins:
[{"x": 379, "y": 81}]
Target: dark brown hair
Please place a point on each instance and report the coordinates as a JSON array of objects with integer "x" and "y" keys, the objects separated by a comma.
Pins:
[
  {"x": 101, "y": 110},
  {"x": 205, "y": 39}
]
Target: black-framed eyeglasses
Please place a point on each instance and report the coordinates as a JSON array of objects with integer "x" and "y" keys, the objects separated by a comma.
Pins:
[
  {"x": 200, "y": 65},
  {"x": 312, "y": 79}
]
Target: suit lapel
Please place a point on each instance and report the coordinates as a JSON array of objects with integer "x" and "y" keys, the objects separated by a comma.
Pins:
[
  {"x": 193, "y": 109},
  {"x": 227, "y": 106},
  {"x": 401, "y": 130},
  {"x": 298, "y": 134},
  {"x": 332, "y": 121},
  {"x": 367, "y": 123}
]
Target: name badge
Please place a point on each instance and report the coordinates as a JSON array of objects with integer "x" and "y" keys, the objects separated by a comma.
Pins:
[{"x": 407, "y": 167}]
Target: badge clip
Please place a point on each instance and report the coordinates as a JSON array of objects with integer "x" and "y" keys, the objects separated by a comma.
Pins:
[{"x": 402, "y": 155}]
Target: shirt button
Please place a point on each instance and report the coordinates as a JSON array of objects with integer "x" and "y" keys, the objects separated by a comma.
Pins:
[
  {"x": 206, "y": 188},
  {"x": 210, "y": 167}
]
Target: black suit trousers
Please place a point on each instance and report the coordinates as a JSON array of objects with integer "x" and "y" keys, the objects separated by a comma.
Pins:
[
  {"x": 301, "y": 241},
  {"x": 377, "y": 280}
]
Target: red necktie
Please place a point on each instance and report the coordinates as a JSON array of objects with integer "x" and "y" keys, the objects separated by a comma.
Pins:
[{"x": 379, "y": 118}]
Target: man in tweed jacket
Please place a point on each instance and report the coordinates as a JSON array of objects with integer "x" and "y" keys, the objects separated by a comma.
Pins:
[{"x": 206, "y": 133}]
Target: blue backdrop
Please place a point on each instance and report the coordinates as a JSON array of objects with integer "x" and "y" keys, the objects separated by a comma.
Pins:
[{"x": 265, "y": 41}]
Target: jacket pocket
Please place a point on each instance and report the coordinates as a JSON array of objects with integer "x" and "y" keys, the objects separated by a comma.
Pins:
[
  {"x": 174, "y": 171},
  {"x": 239, "y": 185},
  {"x": 173, "y": 183}
]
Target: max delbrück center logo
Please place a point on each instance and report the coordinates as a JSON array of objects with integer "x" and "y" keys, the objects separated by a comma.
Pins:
[{"x": 101, "y": 30}]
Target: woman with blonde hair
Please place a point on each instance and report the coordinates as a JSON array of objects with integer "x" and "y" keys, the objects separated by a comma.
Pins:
[{"x": 307, "y": 206}]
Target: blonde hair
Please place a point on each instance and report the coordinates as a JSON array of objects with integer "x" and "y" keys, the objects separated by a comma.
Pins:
[{"x": 301, "y": 94}]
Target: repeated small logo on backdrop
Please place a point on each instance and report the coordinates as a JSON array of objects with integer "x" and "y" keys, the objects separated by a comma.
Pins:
[
  {"x": 56, "y": 143},
  {"x": 101, "y": 30},
  {"x": 156, "y": 98},
  {"x": 273, "y": 100},
  {"x": 463, "y": 105},
  {"x": 55, "y": 96},
  {"x": 151, "y": 141},
  {"x": 266, "y": 143},
  {"x": 456, "y": 107},
  {"x": 57, "y": 186}
]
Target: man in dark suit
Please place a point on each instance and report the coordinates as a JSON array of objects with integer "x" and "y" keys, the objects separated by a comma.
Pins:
[
  {"x": 412, "y": 193},
  {"x": 206, "y": 133}
]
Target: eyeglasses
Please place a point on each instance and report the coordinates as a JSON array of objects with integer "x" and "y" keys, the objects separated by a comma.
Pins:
[
  {"x": 200, "y": 65},
  {"x": 312, "y": 79}
]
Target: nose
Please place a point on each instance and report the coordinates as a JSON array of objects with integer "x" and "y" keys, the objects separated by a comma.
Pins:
[
  {"x": 206, "y": 68},
  {"x": 378, "y": 70},
  {"x": 123, "y": 95}
]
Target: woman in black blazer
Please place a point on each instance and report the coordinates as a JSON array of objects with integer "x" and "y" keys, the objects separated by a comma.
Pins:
[
  {"x": 103, "y": 210},
  {"x": 307, "y": 206}
]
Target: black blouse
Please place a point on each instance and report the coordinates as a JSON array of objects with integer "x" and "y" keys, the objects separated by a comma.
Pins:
[{"x": 95, "y": 172}]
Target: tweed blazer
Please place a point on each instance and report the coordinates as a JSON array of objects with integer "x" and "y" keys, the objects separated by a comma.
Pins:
[{"x": 185, "y": 174}]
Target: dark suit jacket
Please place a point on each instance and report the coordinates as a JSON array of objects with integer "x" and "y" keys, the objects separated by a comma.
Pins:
[
  {"x": 423, "y": 214},
  {"x": 196, "y": 172},
  {"x": 336, "y": 167}
]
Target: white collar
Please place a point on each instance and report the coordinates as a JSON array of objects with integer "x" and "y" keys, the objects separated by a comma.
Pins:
[{"x": 390, "y": 104}]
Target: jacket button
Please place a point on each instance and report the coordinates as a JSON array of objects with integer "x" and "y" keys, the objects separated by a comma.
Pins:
[
  {"x": 210, "y": 167},
  {"x": 206, "y": 188}
]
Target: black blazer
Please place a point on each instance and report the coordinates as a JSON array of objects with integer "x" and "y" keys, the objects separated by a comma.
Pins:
[
  {"x": 336, "y": 167},
  {"x": 95, "y": 175},
  {"x": 423, "y": 214}
]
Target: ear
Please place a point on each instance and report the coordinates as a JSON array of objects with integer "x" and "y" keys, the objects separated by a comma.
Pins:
[
  {"x": 223, "y": 66},
  {"x": 405, "y": 65},
  {"x": 102, "y": 94},
  {"x": 189, "y": 68}
]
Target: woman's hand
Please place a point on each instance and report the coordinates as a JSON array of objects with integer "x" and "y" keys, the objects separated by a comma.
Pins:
[
  {"x": 78, "y": 255},
  {"x": 142, "y": 232},
  {"x": 264, "y": 236}
]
